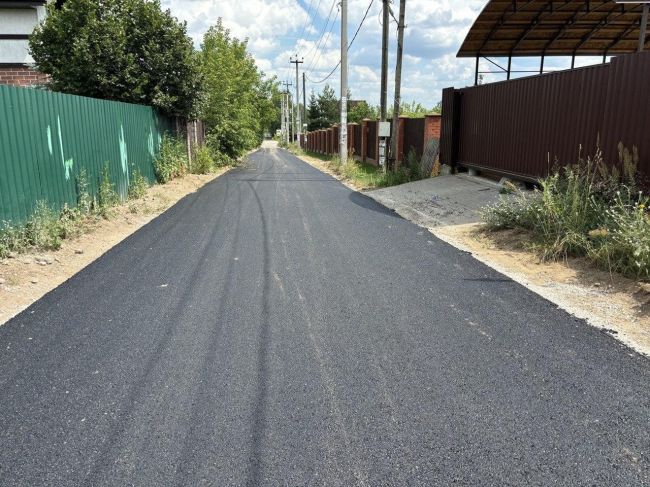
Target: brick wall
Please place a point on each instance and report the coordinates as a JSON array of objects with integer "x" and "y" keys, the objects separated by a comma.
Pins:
[
  {"x": 432, "y": 127},
  {"x": 21, "y": 76}
]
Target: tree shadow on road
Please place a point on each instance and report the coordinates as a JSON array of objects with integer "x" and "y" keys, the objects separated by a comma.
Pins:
[{"x": 368, "y": 203}]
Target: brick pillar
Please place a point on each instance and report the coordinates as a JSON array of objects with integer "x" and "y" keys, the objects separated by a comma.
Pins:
[
  {"x": 364, "y": 139},
  {"x": 432, "y": 125},
  {"x": 351, "y": 141},
  {"x": 376, "y": 142},
  {"x": 400, "y": 140}
]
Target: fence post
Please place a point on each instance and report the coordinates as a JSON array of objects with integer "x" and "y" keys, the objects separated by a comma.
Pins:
[
  {"x": 401, "y": 126},
  {"x": 364, "y": 139},
  {"x": 431, "y": 127},
  {"x": 449, "y": 127}
]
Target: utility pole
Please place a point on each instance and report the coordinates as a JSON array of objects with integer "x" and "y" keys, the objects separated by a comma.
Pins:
[
  {"x": 287, "y": 106},
  {"x": 343, "y": 129},
  {"x": 398, "y": 80},
  {"x": 384, "y": 60},
  {"x": 304, "y": 99},
  {"x": 282, "y": 128},
  {"x": 298, "y": 121},
  {"x": 291, "y": 119}
]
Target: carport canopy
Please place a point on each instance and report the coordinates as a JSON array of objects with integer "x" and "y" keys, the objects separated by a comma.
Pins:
[{"x": 516, "y": 28}]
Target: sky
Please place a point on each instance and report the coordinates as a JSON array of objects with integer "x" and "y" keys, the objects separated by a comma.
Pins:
[{"x": 279, "y": 29}]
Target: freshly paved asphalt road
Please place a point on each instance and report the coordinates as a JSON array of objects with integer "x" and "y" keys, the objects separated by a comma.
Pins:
[{"x": 275, "y": 328}]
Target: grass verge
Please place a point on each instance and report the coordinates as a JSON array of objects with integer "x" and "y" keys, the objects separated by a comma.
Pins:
[{"x": 362, "y": 175}]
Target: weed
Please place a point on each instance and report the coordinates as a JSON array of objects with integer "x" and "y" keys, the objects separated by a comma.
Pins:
[
  {"x": 84, "y": 201},
  {"x": 138, "y": 185},
  {"x": 203, "y": 162},
  {"x": 106, "y": 195},
  {"x": 172, "y": 159},
  {"x": 585, "y": 209}
]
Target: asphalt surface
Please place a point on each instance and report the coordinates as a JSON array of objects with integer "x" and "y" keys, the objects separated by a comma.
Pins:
[{"x": 276, "y": 328}]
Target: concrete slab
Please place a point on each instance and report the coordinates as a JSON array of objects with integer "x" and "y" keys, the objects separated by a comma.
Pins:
[{"x": 445, "y": 200}]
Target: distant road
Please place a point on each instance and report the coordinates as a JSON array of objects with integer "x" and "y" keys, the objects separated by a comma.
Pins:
[{"x": 276, "y": 328}]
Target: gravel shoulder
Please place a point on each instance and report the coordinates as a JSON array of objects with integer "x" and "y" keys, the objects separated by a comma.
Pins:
[{"x": 618, "y": 306}]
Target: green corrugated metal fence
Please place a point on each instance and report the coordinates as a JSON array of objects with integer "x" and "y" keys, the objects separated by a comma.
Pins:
[{"x": 47, "y": 138}]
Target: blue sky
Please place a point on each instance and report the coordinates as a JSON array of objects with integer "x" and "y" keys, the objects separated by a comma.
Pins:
[{"x": 278, "y": 29}]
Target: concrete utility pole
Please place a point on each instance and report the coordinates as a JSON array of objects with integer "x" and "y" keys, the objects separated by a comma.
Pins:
[
  {"x": 304, "y": 99},
  {"x": 282, "y": 117},
  {"x": 287, "y": 106},
  {"x": 343, "y": 129},
  {"x": 298, "y": 118},
  {"x": 384, "y": 60},
  {"x": 398, "y": 80}
]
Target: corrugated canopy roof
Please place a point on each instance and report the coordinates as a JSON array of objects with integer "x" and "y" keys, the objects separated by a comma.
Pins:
[{"x": 536, "y": 28}]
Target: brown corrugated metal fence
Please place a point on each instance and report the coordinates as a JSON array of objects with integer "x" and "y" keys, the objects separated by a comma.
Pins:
[
  {"x": 413, "y": 136},
  {"x": 520, "y": 127}
]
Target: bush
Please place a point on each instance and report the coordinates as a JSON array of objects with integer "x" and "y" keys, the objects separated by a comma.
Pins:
[
  {"x": 585, "y": 209},
  {"x": 172, "y": 159},
  {"x": 203, "y": 162},
  {"x": 138, "y": 185}
]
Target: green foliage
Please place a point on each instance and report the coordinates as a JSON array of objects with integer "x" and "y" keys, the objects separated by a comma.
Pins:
[
  {"x": 413, "y": 165},
  {"x": 126, "y": 50},
  {"x": 84, "y": 201},
  {"x": 239, "y": 105},
  {"x": 171, "y": 161},
  {"x": 362, "y": 174},
  {"x": 203, "y": 162},
  {"x": 44, "y": 230},
  {"x": 106, "y": 195},
  {"x": 585, "y": 209},
  {"x": 360, "y": 111},
  {"x": 323, "y": 109},
  {"x": 138, "y": 185}
]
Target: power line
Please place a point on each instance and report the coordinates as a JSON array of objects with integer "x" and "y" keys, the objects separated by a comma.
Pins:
[
  {"x": 317, "y": 45},
  {"x": 309, "y": 13},
  {"x": 349, "y": 45},
  {"x": 314, "y": 61}
]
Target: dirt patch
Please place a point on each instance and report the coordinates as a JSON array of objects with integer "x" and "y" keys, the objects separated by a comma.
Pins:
[
  {"x": 618, "y": 305},
  {"x": 27, "y": 277}
]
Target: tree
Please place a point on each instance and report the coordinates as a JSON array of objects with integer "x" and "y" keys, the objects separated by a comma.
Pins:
[
  {"x": 314, "y": 115},
  {"x": 126, "y": 50},
  {"x": 328, "y": 105},
  {"x": 238, "y": 104},
  {"x": 360, "y": 111}
]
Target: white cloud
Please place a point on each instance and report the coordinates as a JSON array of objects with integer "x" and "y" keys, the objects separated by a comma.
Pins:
[{"x": 279, "y": 29}]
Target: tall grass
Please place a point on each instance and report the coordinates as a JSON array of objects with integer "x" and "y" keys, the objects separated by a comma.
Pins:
[
  {"x": 367, "y": 175},
  {"x": 172, "y": 160},
  {"x": 585, "y": 209}
]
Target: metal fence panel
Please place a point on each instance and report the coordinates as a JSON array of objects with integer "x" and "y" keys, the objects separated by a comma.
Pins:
[
  {"x": 46, "y": 139},
  {"x": 371, "y": 140},
  {"x": 523, "y": 126},
  {"x": 413, "y": 137}
]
